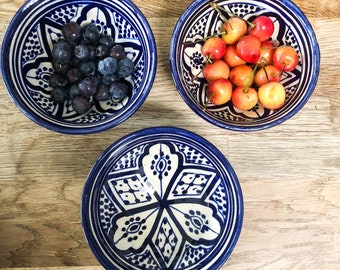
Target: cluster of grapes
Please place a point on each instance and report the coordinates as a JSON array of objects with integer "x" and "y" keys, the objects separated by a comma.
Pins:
[{"x": 88, "y": 65}]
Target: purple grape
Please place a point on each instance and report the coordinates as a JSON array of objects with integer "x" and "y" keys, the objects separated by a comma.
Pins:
[
  {"x": 72, "y": 32},
  {"x": 107, "y": 66},
  {"x": 118, "y": 52},
  {"x": 81, "y": 104}
]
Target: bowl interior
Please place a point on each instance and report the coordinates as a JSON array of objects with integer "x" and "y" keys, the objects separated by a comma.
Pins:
[
  {"x": 291, "y": 28},
  {"x": 162, "y": 198},
  {"x": 26, "y": 60}
]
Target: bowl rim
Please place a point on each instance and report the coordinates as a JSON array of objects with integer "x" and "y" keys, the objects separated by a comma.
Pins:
[
  {"x": 63, "y": 127},
  {"x": 300, "y": 16},
  {"x": 119, "y": 146}
]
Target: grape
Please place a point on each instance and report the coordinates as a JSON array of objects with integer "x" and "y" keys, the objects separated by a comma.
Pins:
[
  {"x": 102, "y": 51},
  {"x": 106, "y": 40},
  {"x": 91, "y": 33},
  {"x": 73, "y": 75},
  {"x": 109, "y": 79},
  {"x": 88, "y": 86},
  {"x": 81, "y": 104},
  {"x": 118, "y": 91},
  {"x": 107, "y": 66},
  {"x": 82, "y": 52},
  {"x": 71, "y": 31},
  {"x": 125, "y": 67},
  {"x": 59, "y": 67},
  {"x": 58, "y": 94},
  {"x": 62, "y": 52},
  {"x": 73, "y": 91},
  {"x": 57, "y": 79},
  {"x": 118, "y": 52},
  {"x": 102, "y": 93},
  {"x": 88, "y": 66}
]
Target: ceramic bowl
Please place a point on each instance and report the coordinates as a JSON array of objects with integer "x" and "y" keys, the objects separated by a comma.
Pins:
[
  {"x": 186, "y": 60},
  {"x": 26, "y": 60},
  {"x": 162, "y": 198}
]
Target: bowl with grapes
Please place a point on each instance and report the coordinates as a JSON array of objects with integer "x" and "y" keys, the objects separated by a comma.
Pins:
[
  {"x": 78, "y": 67},
  {"x": 265, "y": 72}
]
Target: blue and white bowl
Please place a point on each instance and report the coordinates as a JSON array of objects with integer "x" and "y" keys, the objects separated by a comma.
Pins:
[
  {"x": 186, "y": 60},
  {"x": 162, "y": 198},
  {"x": 26, "y": 60}
]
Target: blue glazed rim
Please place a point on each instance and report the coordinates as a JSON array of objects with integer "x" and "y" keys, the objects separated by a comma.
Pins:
[
  {"x": 300, "y": 16},
  {"x": 61, "y": 127},
  {"x": 101, "y": 166}
]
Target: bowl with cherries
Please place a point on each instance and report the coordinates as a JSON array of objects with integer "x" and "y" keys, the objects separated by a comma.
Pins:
[
  {"x": 78, "y": 67},
  {"x": 244, "y": 65}
]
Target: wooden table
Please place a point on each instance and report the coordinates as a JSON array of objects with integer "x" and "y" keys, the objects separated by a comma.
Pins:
[{"x": 290, "y": 174}]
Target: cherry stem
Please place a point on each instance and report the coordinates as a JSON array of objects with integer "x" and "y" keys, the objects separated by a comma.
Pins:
[
  {"x": 230, "y": 14},
  {"x": 262, "y": 63},
  {"x": 224, "y": 19},
  {"x": 283, "y": 69},
  {"x": 205, "y": 38},
  {"x": 207, "y": 102}
]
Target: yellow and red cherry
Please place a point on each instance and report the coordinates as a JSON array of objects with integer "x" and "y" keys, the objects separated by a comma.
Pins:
[
  {"x": 244, "y": 98},
  {"x": 214, "y": 48},
  {"x": 267, "y": 51},
  {"x": 219, "y": 91},
  {"x": 272, "y": 95},
  {"x": 242, "y": 75},
  {"x": 267, "y": 74},
  {"x": 285, "y": 58},
  {"x": 231, "y": 57},
  {"x": 248, "y": 48},
  {"x": 236, "y": 28},
  {"x": 263, "y": 28},
  {"x": 216, "y": 70}
]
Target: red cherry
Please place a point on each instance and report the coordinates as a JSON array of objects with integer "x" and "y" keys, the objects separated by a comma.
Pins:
[
  {"x": 214, "y": 48},
  {"x": 263, "y": 28},
  {"x": 219, "y": 91},
  {"x": 285, "y": 58},
  {"x": 249, "y": 49},
  {"x": 216, "y": 70}
]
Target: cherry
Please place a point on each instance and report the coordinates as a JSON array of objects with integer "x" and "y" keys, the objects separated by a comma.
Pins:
[
  {"x": 263, "y": 28},
  {"x": 219, "y": 91},
  {"x": 248, "y": 48},
  {"x": 272, "y": 95},
  {"x": 214, "y": 48},
  {"x": 266, "y": 74},
  {"x": 216, "y": 70},
  {"x": 244, "y": 98},
  {"x": 242, "y": 75},
  {"x": 285, "y": 58},
  {"x": 236, "y": 28},
  {"x": 267, "y": 51},
  {"x": 231, "y": 57}
]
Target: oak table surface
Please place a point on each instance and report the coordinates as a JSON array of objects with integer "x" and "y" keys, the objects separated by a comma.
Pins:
[{"x": 290, "y": 174}]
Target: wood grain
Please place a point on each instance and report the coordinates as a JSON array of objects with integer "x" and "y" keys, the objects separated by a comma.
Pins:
[{"x": 290, "y": 174}]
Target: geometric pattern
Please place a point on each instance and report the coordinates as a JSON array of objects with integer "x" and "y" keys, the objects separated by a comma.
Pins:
[{"x": 166, "y": 209}]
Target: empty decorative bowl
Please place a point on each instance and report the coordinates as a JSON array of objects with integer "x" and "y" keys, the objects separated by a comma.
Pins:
[
  {"x": 162, "y": 198},
  {"x": 201, "y": 20},
  {"x": 26, "y": 60}
]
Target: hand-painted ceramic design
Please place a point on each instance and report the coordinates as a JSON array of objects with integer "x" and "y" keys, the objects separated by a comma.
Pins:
[
  {"x": 162, "y": 198},
  {"x": 186, "y": 60},
  {"x": 26, "y": 60}
]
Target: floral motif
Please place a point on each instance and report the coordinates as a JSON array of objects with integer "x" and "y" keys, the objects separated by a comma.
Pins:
[{"x": 165, "y": 204}]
